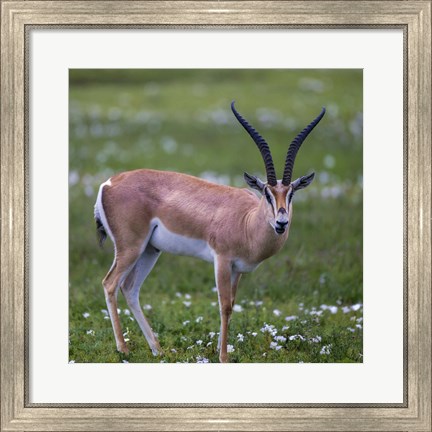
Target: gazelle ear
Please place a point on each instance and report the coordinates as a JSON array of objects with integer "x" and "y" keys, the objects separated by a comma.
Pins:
[
  {"x": 254, "y": 182},
  {"x": 303, "y": 182}
]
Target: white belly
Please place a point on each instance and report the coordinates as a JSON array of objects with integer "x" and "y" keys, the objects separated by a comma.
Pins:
[{"x": 167, "y": 241}]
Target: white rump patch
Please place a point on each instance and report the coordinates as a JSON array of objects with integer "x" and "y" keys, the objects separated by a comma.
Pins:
[{"x": 99, "y": 210}]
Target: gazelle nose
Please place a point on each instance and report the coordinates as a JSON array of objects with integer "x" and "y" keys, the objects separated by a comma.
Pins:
[{"x": 282, "y": 224}]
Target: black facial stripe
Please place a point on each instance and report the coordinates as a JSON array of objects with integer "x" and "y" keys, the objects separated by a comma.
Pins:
[
  {"x": 290, "y": 196},
  {"x": 268, "y": 196}
]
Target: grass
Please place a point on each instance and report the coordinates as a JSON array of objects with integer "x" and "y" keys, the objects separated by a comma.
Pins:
[{"x": 180, "y": 120}]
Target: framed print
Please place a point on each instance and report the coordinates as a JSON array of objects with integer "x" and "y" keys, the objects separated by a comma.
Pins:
[{"x": 331, "y": 333}]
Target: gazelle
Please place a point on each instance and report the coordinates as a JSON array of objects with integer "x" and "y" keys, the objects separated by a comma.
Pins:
[{"x": 147, "y": 212}]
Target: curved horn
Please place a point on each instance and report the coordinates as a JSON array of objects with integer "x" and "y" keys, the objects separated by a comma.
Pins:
[
  {"x": 294, "y": 147},
  {"x": 262, "y": 146}
]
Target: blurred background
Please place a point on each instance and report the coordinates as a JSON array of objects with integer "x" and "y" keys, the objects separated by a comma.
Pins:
[{"x": 304, "y": 304}]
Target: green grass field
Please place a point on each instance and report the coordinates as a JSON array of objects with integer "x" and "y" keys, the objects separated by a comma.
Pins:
[{"x": 302, "y": 305}]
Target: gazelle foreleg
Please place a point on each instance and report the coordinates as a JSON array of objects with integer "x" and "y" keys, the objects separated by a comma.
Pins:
[
  {"x": 131, "y": 289},
  {"x": 223, "y": 269}
]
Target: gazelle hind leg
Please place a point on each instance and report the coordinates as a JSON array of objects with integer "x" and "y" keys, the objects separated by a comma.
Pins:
[
  {"x": 131, "y": 289},
  {"x": 123, "y": 264}
]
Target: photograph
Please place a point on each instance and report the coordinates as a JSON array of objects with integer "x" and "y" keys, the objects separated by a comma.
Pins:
[
  {"x": 215, "y": 215},
  {"x": 245, "y": 185}
]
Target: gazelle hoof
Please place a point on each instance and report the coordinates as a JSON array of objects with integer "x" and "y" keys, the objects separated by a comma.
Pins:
[
  {"x": 223, "y": 358},
  {"x": 156, "y": 352},
  {"x": 123, "y": 349}
]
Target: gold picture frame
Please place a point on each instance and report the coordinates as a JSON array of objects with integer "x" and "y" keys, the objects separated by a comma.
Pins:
[{"x": 17, "y": 17}]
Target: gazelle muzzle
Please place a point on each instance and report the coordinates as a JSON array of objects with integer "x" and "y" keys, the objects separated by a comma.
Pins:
[{"x": 281, "y": 221}]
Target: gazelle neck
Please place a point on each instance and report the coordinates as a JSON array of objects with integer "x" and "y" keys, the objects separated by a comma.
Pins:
[{"x": 261, "y": 234}]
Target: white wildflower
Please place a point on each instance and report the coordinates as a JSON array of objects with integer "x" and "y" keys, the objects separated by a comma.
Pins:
[
  {"x": 296, "y": 337},
  {"x": 212, "y": 335},
  {"x": 147, "y": 307},
  {"x": 104, "y": 311},
  {"x": 186, "y": 322},
  {"x": 126, "y": 312},
  {"x": 346, "y": 309},
  {"x": 173, "y": 350},
  {"x": 237, "y": 308},
  {"x": 325, "y": 350},
  {"x": 356, "y": 307},
  {"x": 277, "y": 312},
  {"x": 178, "y": 294},
  {"x": 91, "y": 332},
  {"x": 291, "y": 318},
  {"x": 86, "y": 314},
  {"x": 333, "y": 309},
  {"x": 280, "y": 338},
  {"x": 125, "y": 361},
  {"x": 230, "y": 348},
  {"x": 275, "y": 346},
  {"x": 202, "y": 360},
  {"x": 199, "y": 319},
  {"x": 269, "y": 328},
  {"x": 187, "y": 303},
  {"x": 199, "y": 342},
  {"x": 315, "y": 339},
  {"x": 187, "y": 296},
  {"x": 315, "y": 312},
  {"x": 351, "y": 329},
  {"x": 209, "y": 343},
  {"x": 259, "y": 303},
  {"x": 254, "y": 334},
  {"x": 240, "y": 337}
]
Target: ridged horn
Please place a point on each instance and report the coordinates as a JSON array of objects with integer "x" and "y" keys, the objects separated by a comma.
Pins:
[
  {"x": 262, "y": 146},
  {"x": 294, "y": 147}
]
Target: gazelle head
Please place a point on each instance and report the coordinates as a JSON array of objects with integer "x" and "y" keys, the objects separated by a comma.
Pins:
[{"x": 276, "y": 194}]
